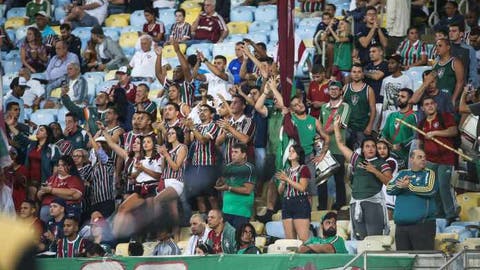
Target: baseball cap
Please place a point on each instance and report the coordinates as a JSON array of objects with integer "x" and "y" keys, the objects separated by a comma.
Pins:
[
  {"x": 42, "y": 13},
  {"x": 101, "y": 139},
  {"x": 19, "y": 81},
  {"x": 395, "y": 57},
  {"x": 60, "y": 202},
  {"x": 123, "y": 69},
  {"x": 335, "y": 83},
  {"x": 329, "y": 215}
]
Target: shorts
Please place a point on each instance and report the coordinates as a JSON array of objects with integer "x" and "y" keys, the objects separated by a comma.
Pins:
[
  {"x": 175, "y": 184},
  {"x": 296, "y": 208},
  {"x": 146, "y": 189}
]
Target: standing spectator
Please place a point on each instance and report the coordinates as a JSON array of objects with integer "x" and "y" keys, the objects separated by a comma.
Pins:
[
  {"x": 465, "y": 53},
  {"x": 317, "y": 93},
  {"x": 125, "y": 82},
  {"x": 368, "y": 213},
  {"x": 222, "y": 235},
  {"x": 246, "y": 239},
  {"x": 156, "y": 30},
  {"x": 439, "y": 34},
  {"x": 235, "y": 65},
  {"x": 412, "y": 50},
  {"x": 471, "y": 19},
  {"x": 414, "y": 215},
  {"x": 370, "y": 34},
  {"x": 342, "y": 51},
  {"x": 34, "y": 6},
  {"x": 219, "y": 80},
  {"x": 74, "y": 44},
  {"x": 74, "y": 133},
  {"x": 384, "y": 151},
  {"x": 237, "y": 184},
  {"x": 33, "y": 52},
  {"x": 449, "y": 71},
  {"x": 142, "y": 103},
  {"x": 209, "y": 25},
  {"x": 16, "y": 179},
  {"x": 398, "y": 20},
  {"x": 56, "y": 72},
  {"x": 63, "y": 145},
  {"x": 109, "y": 54},
  {"x": 91, "y": 13},
  {"x": 452, "y": 15},
  {"x": 71, "y": 245},
  {"x": 293, "y": 185},
  {"x": 200, "y": 232},
  {"x": 175, "y": 96},
  {"x": 180, "y": 31},
  {"x": 57, "y": 212},
  {"x": 143, "y": 61},
  {"x": 441, "y": 126}
]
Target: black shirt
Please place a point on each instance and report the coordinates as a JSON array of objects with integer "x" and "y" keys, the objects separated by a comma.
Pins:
[
  {"x": 364, "y": 53},
  {"x": 377, "y": 84}
]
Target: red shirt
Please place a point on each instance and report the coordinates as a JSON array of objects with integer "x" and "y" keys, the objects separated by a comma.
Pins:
[
  {"x": 435, "y": 152},
  {"x": 317, "y": 92},
  {"x": 210, "y": 27},
  {"x": 130, "y": 91},
  {"x": 70, "y": 182},
  {"x": 158, "y": 28},
  {"x": 217, "y": 242},
  {"x": 35, "y": 162}
]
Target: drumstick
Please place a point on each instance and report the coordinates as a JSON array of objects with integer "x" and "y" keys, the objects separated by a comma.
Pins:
[{"x": 435, "y": 140}]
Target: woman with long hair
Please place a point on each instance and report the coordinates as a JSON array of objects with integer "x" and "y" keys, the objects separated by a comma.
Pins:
[
  {"x": 383, "y": 149},
  {"x": 295, "y": 204},
  {"x": 33, "y": 52},
  {"x": 245, "y": 238},
  {"x": 153, "y": 28},
  {"x": 368, "y": 212},
  {"x": 65, "y": 184},
  {"x": 146, "y": 171},
  {"x": 342, "y": 51}
]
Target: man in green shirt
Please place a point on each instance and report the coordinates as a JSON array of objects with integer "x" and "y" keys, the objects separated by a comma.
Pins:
[
  {"x": 330, "y": 242},
  {"x": 238, "y": 187},
  {"x": 35, "y": 6}
]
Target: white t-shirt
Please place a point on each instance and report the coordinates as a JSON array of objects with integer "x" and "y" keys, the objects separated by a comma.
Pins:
[
  {"x": 390, "y": 89},
  {"x": 217, "y": 85},
  {"x": 100, "y": 12},
  {"x": 143, "y": 64},
  {"x": 36, "y": 89},
  {"x": 154, "y": 165}
]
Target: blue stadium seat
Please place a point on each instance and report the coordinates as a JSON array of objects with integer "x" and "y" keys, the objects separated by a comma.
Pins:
[
  {"x": 41, "y": 76},
  {"x": 61, "y": 114},
  {"x": 112, "y": 32},
  {"x": 266, "y": 13},
  {"x": 131, "y": 28},
  {"x": 258, "y": 37},
  {"x": 59, "y": 13},
  {"x": 11, "y": 66},
  {"x": 415, "y": 74},
  {"x": 462, "y": 232},
  {"x": 7, "y": 79},
  {"x": 21, "y": 33},
  {"x": 129, "y": 52},
  {"x": 43, "y": 116},
  {"x": 275, "y": 229},
  {"x": 2, "y": 10},
  {"x": 167, "y": 16},
  {"x": 441, "y": 224},
  {"x": 474, "y": 230},
  {"x": 205, "y": 48},
  {"x": 236, "y": 3},
  {"x": 173, "y": 61},
  {"x": 258, "y": 26},
  {"x": 225, "y": 49},
  {"x": 429, "y": 48},
  {"x": 13, "y": 55},
  {"x": 168, "y": 28},
  {"x": 305, "y": 33},
  {"x": 241, "y": 15},
  {"x": 137, "y": 18},
  {"x": 61, "y": 3},
  {"x": 11, "y": 34},
  {"x": 274, "y": 35},
  {"x": 82, "y": 32},
  {"x": 342, "y": 6},
  {"x": 235, "y": 38},
  {"x": 309, "y": 23},
  {"x": 16, "y": 12}
]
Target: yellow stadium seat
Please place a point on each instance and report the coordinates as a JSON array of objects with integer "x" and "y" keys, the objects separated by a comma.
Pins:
[
  {"x": 56, "y": 93},
  {"x": 121, "y": 249},
  {"x": 110, "y": 75},
  {"x": 153, "y": 94},
  {"x": 148, "y": 248},
  {"x": 123, "y": 15},
  {"x": 192, "y": 14},
  {"x": 169, "y": 52},
  {"x": 182, "y": 245},
  {"x": 237, "y": 28},
  {"x": 189, "y": 4},
  {"x": 56, "y": 29},
  {"x": 261, "y": 210},
  {"x": 116, "y": 21},
  {"x": 317, "y": 216},
  {"x": 277, "y": 216},
  {"x": 14, "y": 23},
  {"x": 466, "y": 201},
  {"x": 308, "y": 43},
  {"x": 260, "y": 242},
  {"x": 470, "y": 243},
  {"x": 128, "y": 39},
  {"x": 473, "y": 214},
  {"x": 185, "y": 233},
  {"x": 445, "y": 242},
  {"x": 343, "y": 229},
  {"x": 259, "y": 227}
]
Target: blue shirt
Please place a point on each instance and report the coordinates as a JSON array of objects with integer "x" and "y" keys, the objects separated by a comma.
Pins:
[
  {"x": 260, "y": 140},
  {"x": 234, "y": 68},
  {"x": 11, "y": 98},
  {"x": 57, "y": 67}
]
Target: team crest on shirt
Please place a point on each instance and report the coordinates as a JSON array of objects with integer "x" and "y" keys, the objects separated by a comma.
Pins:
[
  {"x": 310, "y": 127},
  {"x": 440, "y": 72},
  {"x": 397, "y": 125},
  {"x": 78, "y": 139},
  {"x": 354, "y": 99},
  {"x": 435, "y": 125}
]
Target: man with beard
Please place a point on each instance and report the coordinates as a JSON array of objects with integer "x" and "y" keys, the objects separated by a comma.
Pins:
[
  {"x": 415, "y": 204},
  {"x": 170, "y": 115},
  {"x": 141, "y": 125},
  {"x": 200, "y": 232},
  {"x": 361, "y": 99},
  {"x": 109, "y": 54},
  {"x": 71, "y": 245},
  {"x": 401, "y": 136},
  {"x": 429, "y": 89},
  {"x": 330, "y": 242}
]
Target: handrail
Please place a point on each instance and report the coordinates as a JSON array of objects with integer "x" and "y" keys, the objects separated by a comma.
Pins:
[
  {"x": 456, "y": 256},
  {"x": 434, "y": 15},
  {"x": 396, "y": 252}
]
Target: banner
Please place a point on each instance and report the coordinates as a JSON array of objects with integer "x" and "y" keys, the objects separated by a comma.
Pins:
[{"x": 228, "y": 262}]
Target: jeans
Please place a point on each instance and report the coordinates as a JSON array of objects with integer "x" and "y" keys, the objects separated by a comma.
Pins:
[
  {"x": 260, "y": 160},
  {"x": 445, "y": 198},
  {"x": 372, "y": 220}
]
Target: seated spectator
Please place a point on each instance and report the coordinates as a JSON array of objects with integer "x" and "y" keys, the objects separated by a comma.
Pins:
[
  {"x": 42, "y": 20},
  {"x": 56, "y": 72},
  {"x": 125, "y": 82},
  {"x": 209, "y": 26},
  {"x": 164, "y": 3},
  {"x": 200, "y": 232},
  {"x": 166, "y": 245},
  {"x": 18, "y": 87},
  {"x": 16, "y": 178},
  {"x": 36, "y": 91},
  {"x": 135, "y": 249},
  {"x": 64, "y": 184},
  {"x": 452, "y": 15},
  {"x": 222, "y": 236},
  {"x": 6, "y": 44},
  {"x": 330, "y": 242},
  {"x": 109, "y": 54},
  {"x": 180, "y": 30},
  {"x": 153, "y": 28},
  {"x": 28, "y": 213},
  {"x": 93, "y": 250},
  {"x": 142, "y": 103},
  {"x": 101, "y": 234},
  {"x": 246, "y": 240},
  {"x": 203, "y": 249},
  {"x": 55, "y": 223},
  {"x": 35, "y": 6},
  {"x": 74, "y": 44},
  {"x": 91, "y": 13},
  {"x": 71, "y": 244},
  {"x": 143, "y": 61},
  {"x": 413, "y": 50},
  {"x": 89, "y": 58},
  {"x": 33, "y": 52},
  {"x": 76, "y": 85}
]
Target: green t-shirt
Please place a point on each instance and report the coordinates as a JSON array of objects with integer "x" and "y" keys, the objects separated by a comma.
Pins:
[
  {"x": 446, "y": 78},
  {"x": 336, "y": 241},
  {"x": 359, "y": 107},
  {"x": 235, "y": 176},
  {"x": 328, "y": 115},
  {"x": 366, "y": 184},
  {"x": 307, "y": 131},
  {"x": 33, "y": 8},
  {"x": 405, "y": 134},
  {"x": 275, "y": 120}
]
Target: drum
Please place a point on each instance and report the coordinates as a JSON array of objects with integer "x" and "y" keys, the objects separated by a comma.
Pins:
[
  {"x": 325, "y": 168},
  {"x": 468, "y": 132}
]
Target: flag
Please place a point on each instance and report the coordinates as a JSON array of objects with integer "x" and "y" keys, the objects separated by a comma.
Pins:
[
  {"x": 286, "y": 46},
  {"x": 4, "y": 156}
]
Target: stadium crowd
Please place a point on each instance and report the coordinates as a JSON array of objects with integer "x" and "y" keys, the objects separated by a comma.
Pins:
[{"x": 364, "y": 134}]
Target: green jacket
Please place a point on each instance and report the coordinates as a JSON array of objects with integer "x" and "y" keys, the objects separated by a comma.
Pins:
[
  {"x": 93, "y": 114},
  {"x": 229, "y": 244}
]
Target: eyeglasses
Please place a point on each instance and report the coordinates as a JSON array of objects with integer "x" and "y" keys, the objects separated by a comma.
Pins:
[{"x": 248, "y": 232}]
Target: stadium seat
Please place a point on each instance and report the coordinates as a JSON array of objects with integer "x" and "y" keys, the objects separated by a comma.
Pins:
[
  {"x": 56, "y": 93},
  {"x": 96, "y": 77},
  {"x": 241, "y": 15},
  {"x": 472, "y": 226},
  {"x": 128, "y": 39},
  {"x": 112, "y": 32},
  {"x": 234, "y": 38},
  {"x": 375, "y": 243},
  {"x": 2, "y": 10},
  {"x": 469, "y": 243},
  {"x": 274, "y": 36},
  {"x": 121, "y": 249},
  {"x": 11, "y": 66},
  {"x": 116, "y": 21},
  {"x": 266, "y": 13},
  {"x": 473, "y": 214},
  {"x": 309, "y": 23},
  {"x": 415, "y": 74},
  {"x": 305, "y": 33},
  {"x": 148, "y": 248},
  {"x": 129, "y": 52},
  {"x": 284, "y": 246},
  {"x": 260, "y": 242},
  {"x": 318, "y": 215},
  {"x": 137, "y": 18},
  {"x": 16, "y": 12},
  {"x": 167, "y": 16},
  {"x": 259, "y": 227},
  {"x": 61, "y": 114},
  {"x": 13, "y": 55},
  {"x": 21, "y": 33},
  {"x": 446, "y": 242},
  {"x": 82, "y": 32},
  {"x": 61, "y": 3},
  {"x": 277, "y": 216},
  {"x": 14, "y": 22},
  {"x": 205, "y": 48},
  {"x": 467, "y": 201},
  {"x": 192, "y": 14},
  {"x": 429, "y": 49},
  {"x": 275, "y": 229},
  {"x": 237, "y": 28},
  {"x": 185, "y": 233},
  {"x": 182, "y": 245},
  {"x": 236, "y": 3},
  {"x": 110, "y": 75},
  {"x": 225, "y": 49},
  {"x": 11, "y": 34},
  {"x": 258, "y": 26},
  {"x": 169, "y": 52},
  {"x": 258, "y": 37},
  {"x": 43, "y": 116},
  {"x": 59, "y": 13},
  {"x": 343, "y": 226},
  {"x": 56, "y": 29},
  {"x": 131, "y": 28},
  {"x": 462, "y": 232},
  {"x": 189, "y": 4}
]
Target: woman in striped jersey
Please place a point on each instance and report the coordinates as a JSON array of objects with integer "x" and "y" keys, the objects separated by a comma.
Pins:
[
  {"x": 295, "y": 204},
  {"x": 174, "y": 154}
]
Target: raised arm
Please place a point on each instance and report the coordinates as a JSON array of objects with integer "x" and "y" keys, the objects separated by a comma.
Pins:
[
  {"x": 159, "y": 72},
  {"x": 347, "y": 153},
  {"x": 183, "y": 61}
]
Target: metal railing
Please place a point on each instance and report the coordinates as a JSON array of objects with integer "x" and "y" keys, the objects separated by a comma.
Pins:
[
  {"x": 462, "y": 258},
  {"x": 414, "y": 254}
]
